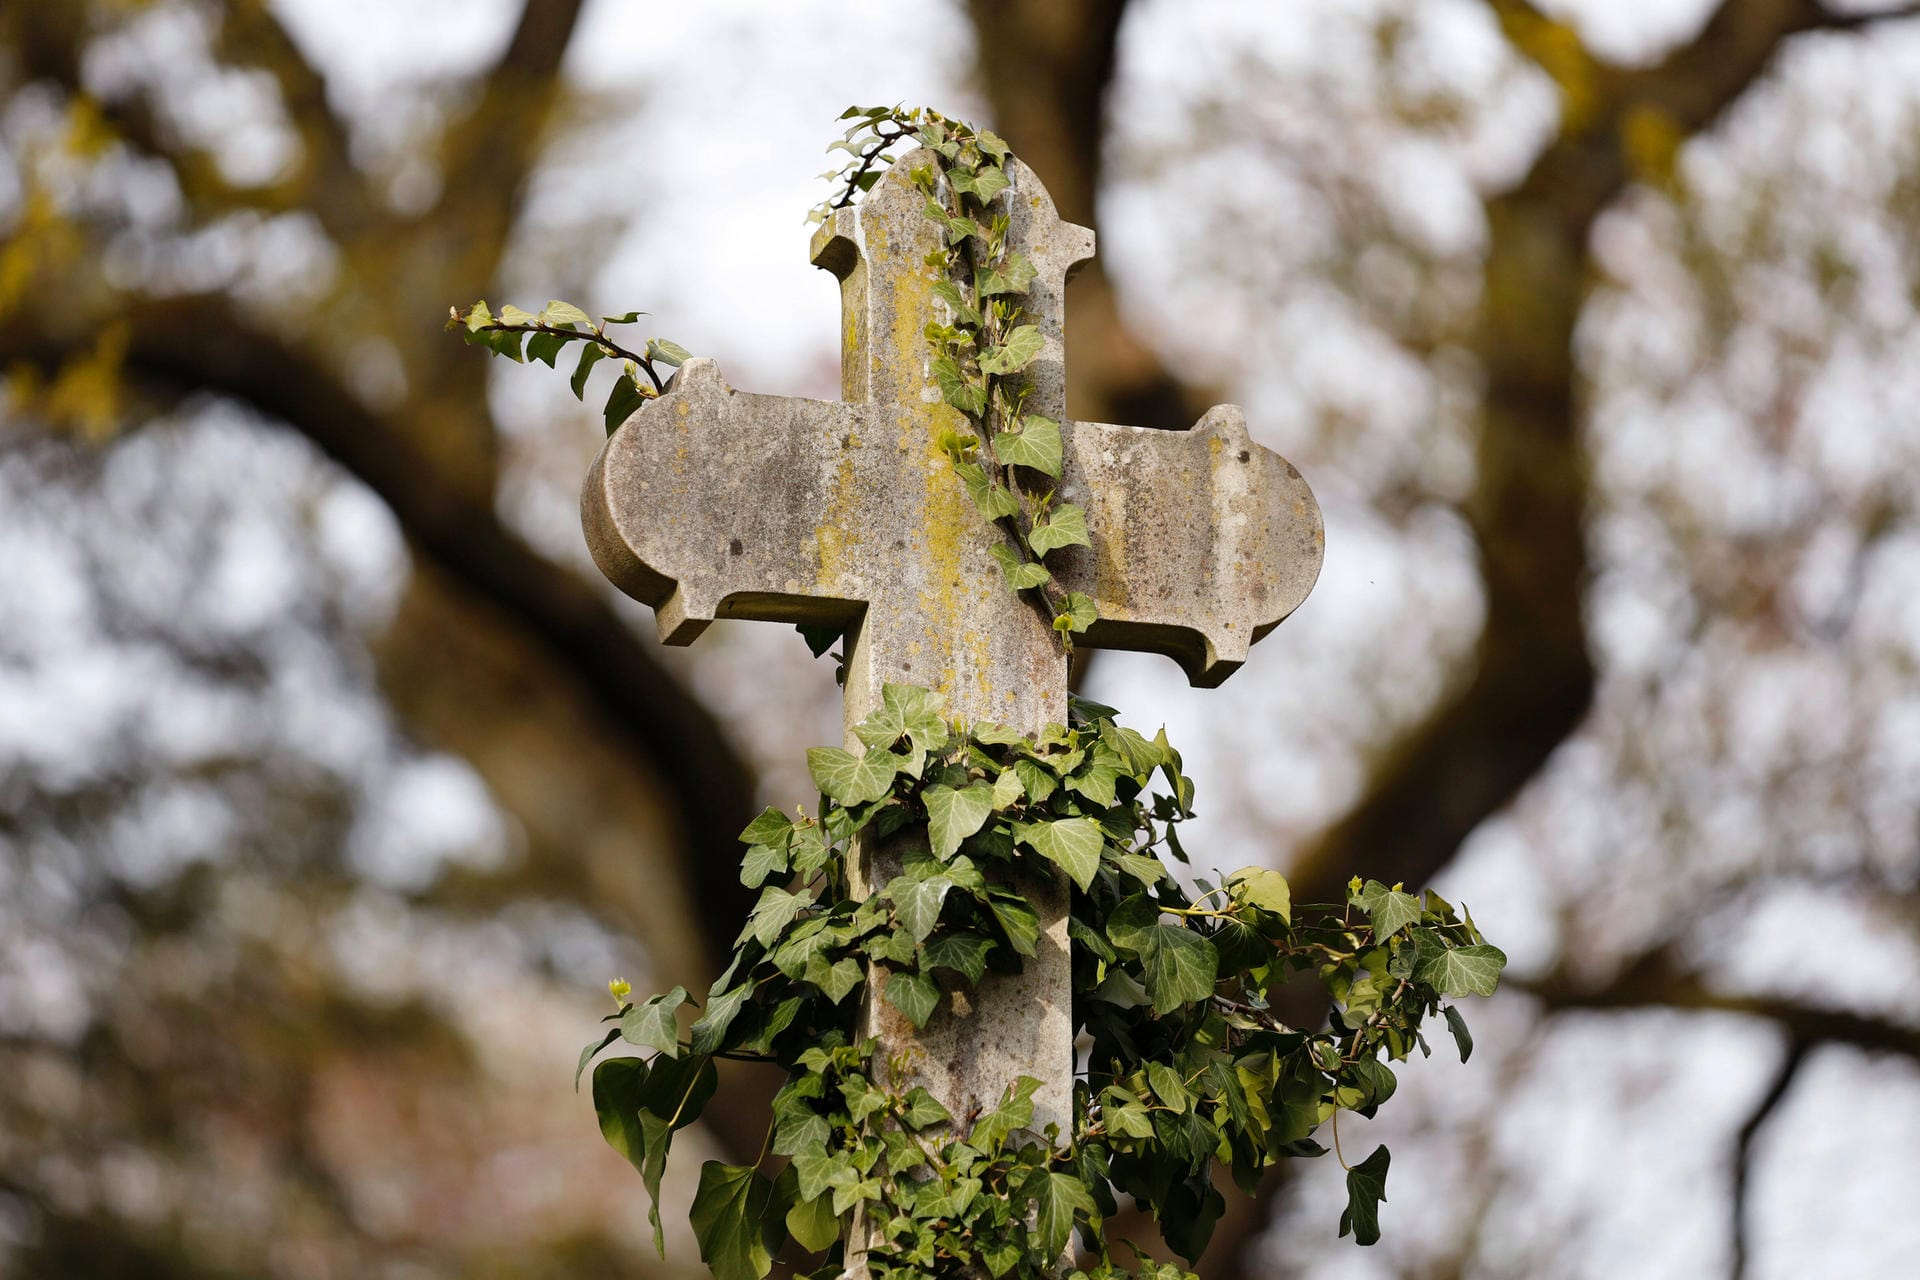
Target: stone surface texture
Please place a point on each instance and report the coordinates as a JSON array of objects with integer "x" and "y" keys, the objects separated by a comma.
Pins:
[{"x": 714, "y": 503}]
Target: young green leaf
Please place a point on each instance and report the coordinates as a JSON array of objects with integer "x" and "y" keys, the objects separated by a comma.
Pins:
[
  {"x": 1077, "y": 613},
  {"x": 1065, "y": 527},
  {"x": 991, "y": 500},
  {"x": 1020, "y": 574},
  {"x": 960, "y": 391},
  {"x": 625, "y": 398},
  {"x": 814, "y": 1224},
  {"x": 562, "y": 313},
  {"x": 1264, "y": 888},
  {"x": 1036, "y": 444},
  {"x": 1012, "y": 276},
  {"x": 1016, "y": 351},
  {"x": 660, "y": 351}
]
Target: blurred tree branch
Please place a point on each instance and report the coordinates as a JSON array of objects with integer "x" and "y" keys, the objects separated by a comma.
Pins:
[{"x": 1769, "y": 1101}]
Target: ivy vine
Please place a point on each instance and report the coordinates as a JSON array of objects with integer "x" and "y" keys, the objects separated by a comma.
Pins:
[
  {"x": 1175, "y": 978},
  {"x": 1188, "y": 1069}
]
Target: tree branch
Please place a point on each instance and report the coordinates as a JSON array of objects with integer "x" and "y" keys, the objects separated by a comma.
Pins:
[
  {"x": 199, "y": 344},
  {"x": 1763, "y": 1109}
]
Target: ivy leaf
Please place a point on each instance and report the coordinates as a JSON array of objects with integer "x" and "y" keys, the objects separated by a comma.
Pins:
[
  {"x": 772, "y": 827},
  {"x": 761, "y": 861},
  {"x": 1072, "y": 844},
  {"x": 1463, "y": 971},
  {"x": 1096, "y": 779},
  {"x": 851, "y": 779},
  {"x": 1016, "y": 918},
  {"x": 914, "y": 994},
  {"x": 652, "y": 1025},
  {"x": 988, "y": 183},
  {"x": 1020, "y": 574},
  {"x": 1011, "y": 276},
  {"x": 545, "y": 347},
  {"x": 1077, "y": 613},
  {"x": 992, "y": 144},
  {"x": 964, "y": 952},
  {"x": 1462, "y": 1039},
  {"x": 1035, "y": 779},
  {"x": 918, "y": 902},
  {"x": 923, "y": 1110},
  {"x": 1167, "y": 1086},
  {"x": 837, "y": 979},
  {"x": 1036, "y": 444},
  {"x": 814, "y": 1224},
  {"x": 991, "y": 500},
  {"x": 1016, "y": 351},
  {"x": 960, "y": 391},
  {"x": 905, "y": 711},
  {"x": 774, "y": 912},
  {"x": 1056, "y": 1198},
  {"x": 591, "y": 353},
  {"x": 1180, "y": 967},
  {"x": 1366, "y": 1191},
  {"x": 627, "y": 318},
  {"x": 728, "y": 1221},
  {"x": 1014, "y": 1112},
  {"x": 964, "y": 313},
  {"x": 595, "y": 1046},
  {"x": 1264, "y": 888},
  {"x": 953, "y": 814},
  {"x": 1065, "y": 527},
  {"x": 1007, "y": 790},
  {"x": 709, "y": 1033},
  {"x": 660, "y": 351},
  {"x": 1389, "y": 910},
  {"x": 510, "y": 314},
  {"x": 559, "y": 313},
  {"x": 622, "y": 401}
]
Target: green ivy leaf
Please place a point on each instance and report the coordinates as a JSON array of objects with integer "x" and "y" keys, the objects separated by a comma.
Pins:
[
  {"x": 1264, "y": 888},
  {"x": 1072, "y": 844},
  {"x": 1167, "y": 1086},
  {"x": 1462, "y": 1038},
  {"x": 923, "y": 1110},
  {"x": 851, "y": 779},
  {"x": 1016, "y": 351},
  {"x": 545, "y": 347},
  {"x": 511, "y": 314},
  {"x": 1389, "y": 910},
  {"x": 960, "y": 391},
  {"x": 774, "y": 911},
  {"x": 988, "y": 183},
  {"x": 953, "y": 814},
  {"x": 591, "y": 353},
  {"x": 772, "y": 828},
  {"x": 964, "y": 313},
  {"x": 1056, "y": 1198},
  {"x": 660, "y": 351},
  {"x": 709, "y": 1033},
  {"x": 914, "y": 994},
  {"x": 1012, "y": 276},
  {"x": 560, "y": 313},
  {"x": 918, "y": 902},
  {"x": 622, "y": 402},
  {"x": 1014, "y": 1113},
  {"x": 1180, "y": 967},
  {"x": 1036, "y": 444},
  {"x": 991, "y": 500},
  {"x": 964, "y": 952},
  {"x": 592, "y": 1048},
  {"x": 992, "y": 144},
  {"x": 728, "y": 1216},
  {"x": 652, "y": 1025},
  {"x": 1463, "y": 971},
  {"x": 905, "y": 711},
  {"x": 1007, "y": 790},
  {"x": 1020, "y": 574},
  {"x": 814, "y": 1224},
  {"x": 1366, "y": 1190},
  {"x": 1065, "y": 527},
  {"x": 1016, "y": 918}
]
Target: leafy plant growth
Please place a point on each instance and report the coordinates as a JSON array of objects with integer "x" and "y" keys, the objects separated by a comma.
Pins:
[{"x": 1174, "y": 977}]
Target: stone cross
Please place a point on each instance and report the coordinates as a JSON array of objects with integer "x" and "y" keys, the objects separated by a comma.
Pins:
[{"x": 714, "y": 503}]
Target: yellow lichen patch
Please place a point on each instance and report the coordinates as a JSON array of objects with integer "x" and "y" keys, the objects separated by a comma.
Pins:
[
  {"x": 1110, "y": 551},
  {"x": 838, "y": 533}
]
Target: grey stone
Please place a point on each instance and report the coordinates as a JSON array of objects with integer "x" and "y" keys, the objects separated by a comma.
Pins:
[{"x": 714, "y": 503}]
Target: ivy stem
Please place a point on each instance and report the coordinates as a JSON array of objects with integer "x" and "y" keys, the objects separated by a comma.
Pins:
[
  {"x": 596, "y": 335},
  {"x": 1338, "y": 1154}
]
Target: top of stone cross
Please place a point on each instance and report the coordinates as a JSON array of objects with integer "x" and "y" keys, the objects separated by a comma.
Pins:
[{"x": 710, "y": 502}]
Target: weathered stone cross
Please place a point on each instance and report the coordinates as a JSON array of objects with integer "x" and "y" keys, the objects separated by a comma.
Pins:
[{"x": 713, "y": 503}]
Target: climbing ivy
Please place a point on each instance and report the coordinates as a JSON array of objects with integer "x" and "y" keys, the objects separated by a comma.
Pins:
[
  {"x": 1189, "y": 1070},
  {"x": 1174, "y": 980}
]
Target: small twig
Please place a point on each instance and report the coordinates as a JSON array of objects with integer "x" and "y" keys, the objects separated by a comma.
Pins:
[{"x": 597, "y": 336}]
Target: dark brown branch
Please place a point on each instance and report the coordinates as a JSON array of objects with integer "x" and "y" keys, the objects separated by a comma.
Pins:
[
  {"x": 200, "y": 344},
  {"x": 1763, "y": 1109}
]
